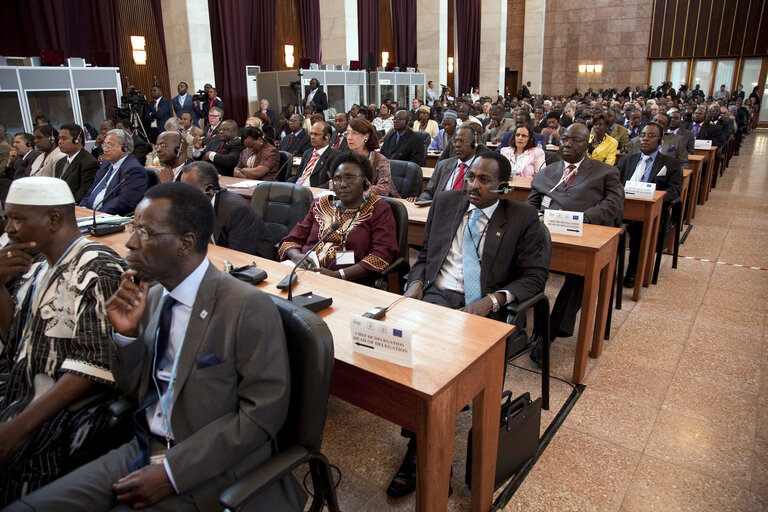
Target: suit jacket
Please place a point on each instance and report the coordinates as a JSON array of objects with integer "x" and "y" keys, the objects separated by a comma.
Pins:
[
  {"x": 226, "y": 160},
  {"x": 141, "y": 148},
  {"x": 299, "y": 145},
  {"x": 120, "y": 199},
  {"x": 672, "y": 145},
  {"x": 20, "y": 167},
  {"x": 188, "y": 108},
  {"x": 495, "y": 134},
  {"x": 343, "y": 145},
  {"x": 621, "y": 135},
  {"x": 325, "y": 164},
  {"x": 709, "y": 131},
  {"x": 320, "y": 99},
  {"x": 670, "y": 183},
  {"x": 409, "y": 148},
  {"x": 596, "y": 190},
  {"x": 5, "y": 150},
  {"x": 514, "y": 256},
  {"x": 196, "y": 131},
  {"x": 271, "y": 115},
  {"x": 214, "y": 134},
  {"x": 688, "y": 138},
  {"x": 160, "y": 113},
  {"x": 79, "y": 175},
  {"x": 239, "y": 227},
  {"x": 230, "y": 397}
]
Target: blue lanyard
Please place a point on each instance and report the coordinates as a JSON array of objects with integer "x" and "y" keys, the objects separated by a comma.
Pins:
[{"x": 34, "y": 289}]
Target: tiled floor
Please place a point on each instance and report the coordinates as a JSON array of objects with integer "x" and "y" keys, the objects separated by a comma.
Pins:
[{"x": 675, "y": 414}]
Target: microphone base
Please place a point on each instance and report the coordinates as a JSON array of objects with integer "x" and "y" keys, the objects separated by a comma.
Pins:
[
  {"x": 105, "y": 229},
  {"x": 312, "y": 302}
]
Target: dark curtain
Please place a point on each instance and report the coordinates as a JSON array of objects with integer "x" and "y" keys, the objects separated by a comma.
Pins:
[
  {"x": 368, "y": 30},
  {"x": 77, "y": 28},
  {"x": 242, "y": 34},
  {"x": 467, "y": 45},
  {"x": 309, "y": 19},
  {"x": 404, "y": 29},
  {"x": 158, "y": 10}
]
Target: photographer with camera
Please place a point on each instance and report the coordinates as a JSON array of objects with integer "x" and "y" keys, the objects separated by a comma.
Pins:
[
  {"x": 204, "y": 101},
  {"x": 158, "y": 112}
]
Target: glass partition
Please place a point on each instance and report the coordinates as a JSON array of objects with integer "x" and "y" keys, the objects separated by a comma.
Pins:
[
  {"x": 404, "y": 95},
  {"x": 11, "y": 112},
  {"x": 354, "y": 95},
  {"x": 96, "y": 106},
  {"x": 387, "y": 91},
  {"x": 335, "y": 100},
  {"x": 55, "y": 105},
  {"x": 702, "y": 75}
]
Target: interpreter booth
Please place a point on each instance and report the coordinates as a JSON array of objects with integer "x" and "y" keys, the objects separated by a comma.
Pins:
[
  {"x": 79, "y": 94},
  {"x": 397, "y": 86}
]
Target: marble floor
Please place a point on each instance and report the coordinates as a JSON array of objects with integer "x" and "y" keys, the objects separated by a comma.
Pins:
[{"x": 675, "y": 411}]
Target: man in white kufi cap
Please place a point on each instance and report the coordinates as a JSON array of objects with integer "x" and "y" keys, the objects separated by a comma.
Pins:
[{"x": 56, "y": 332}]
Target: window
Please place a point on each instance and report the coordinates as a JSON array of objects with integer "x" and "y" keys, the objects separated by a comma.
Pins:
[
  {"x": 702, "y": 75},
  {"x": 678, "y": 72},
  {"x": 55, "y": 105},
  {"x": 724, "y": 74},
  {"x": 658, "y": 73},
  {"x": 750, "y": 74}
]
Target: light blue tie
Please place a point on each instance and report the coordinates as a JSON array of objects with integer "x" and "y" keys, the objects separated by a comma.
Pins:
[
  {"x": 647, "y": 173},
  {"x": 471, "y": 259},
  {"x": 101, "y": 185}
]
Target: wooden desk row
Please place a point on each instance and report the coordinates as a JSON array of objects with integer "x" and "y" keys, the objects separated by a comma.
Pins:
[{"x": 459, "y": 362}]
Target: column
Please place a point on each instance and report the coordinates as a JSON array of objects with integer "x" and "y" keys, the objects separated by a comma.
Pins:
[
  {"x": 432, "y": 39},
  {"x": 533, "y": 43},
  {"x": 338, "y": 31},
  {"x": 493, "y": 47},
  {"x": 188, "y": 43}
]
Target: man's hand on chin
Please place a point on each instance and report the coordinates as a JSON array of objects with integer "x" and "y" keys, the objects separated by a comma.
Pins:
[{"x": 144, "y": 487}]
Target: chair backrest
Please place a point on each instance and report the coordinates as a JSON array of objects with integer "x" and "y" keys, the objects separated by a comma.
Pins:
[
  {"x": 152, "y": 178},
  {"x": 310, "y": 352},
  {"x": 551, "y": 157},
  {"x": 425, "y": 138},
  {"x": 281, "y": 206},
  {"x": 286, "y": 161},
  {"x": 407, "y": 177},
  {"x": 400, "y": 213}
]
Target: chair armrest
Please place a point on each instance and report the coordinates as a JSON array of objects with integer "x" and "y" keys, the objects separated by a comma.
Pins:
[
  {"x": 516, "y": 308},
  {"x": 393, "y": 266},
  {"x": 256, "y": 481},
  {"x": 122, "y": 406}
]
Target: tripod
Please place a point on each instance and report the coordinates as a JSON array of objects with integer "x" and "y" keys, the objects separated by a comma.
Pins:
[{"x": 137, "y": 124}]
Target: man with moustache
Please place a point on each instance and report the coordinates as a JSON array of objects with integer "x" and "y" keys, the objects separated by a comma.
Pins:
[{"x": 79, "y": 167}]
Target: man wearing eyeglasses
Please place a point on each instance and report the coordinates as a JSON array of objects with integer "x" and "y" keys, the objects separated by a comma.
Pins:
[
  {"x": 651, "y": 165},
  {"x": 205, "y": 355},
  {"x": 215, "y": 117}
]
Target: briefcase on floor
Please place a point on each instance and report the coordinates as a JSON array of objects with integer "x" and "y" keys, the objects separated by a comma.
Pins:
[{"x": 518, "y": 436}]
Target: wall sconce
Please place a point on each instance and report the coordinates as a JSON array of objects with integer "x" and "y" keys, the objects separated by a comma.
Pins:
[
  {"x": 582, "y": 68},
  {"x": 590, "y": 68},
  {"x": 450, "y": 64},
  {"x": 139, "y": 53},
  {"x": 384, "y": 59},
  {"x": 289, "y": 60},
  {"x": 598, "y": 68}
]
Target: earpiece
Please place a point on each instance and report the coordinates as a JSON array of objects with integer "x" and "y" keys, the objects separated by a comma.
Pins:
[
  {"x": 52, "y": 139},
  {"x": 177, "y": 150},
  {"x": 124, "y": 149},
  {"x": 210, "y": 190},
  {"x": 366, "y": 184},
  {"x": 474, "y": 139},
  {"x": 325, "y": 137},
  {"x": 28, "y": 144}
]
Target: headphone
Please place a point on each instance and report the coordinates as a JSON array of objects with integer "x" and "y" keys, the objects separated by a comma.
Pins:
[
  {"x": 27, "y": 143},
  {"x": 124, "y": 149},
  {"x": 52, "y": 139},
  {"x": 366, "y": 184},
  {"x": 212, "y": 189}
]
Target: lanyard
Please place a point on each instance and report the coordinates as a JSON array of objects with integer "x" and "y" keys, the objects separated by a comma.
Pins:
[
  {"x": 482, "y": 233},
  {"x": 33, "y": 293},
  {"x": 564, "y": 177}
]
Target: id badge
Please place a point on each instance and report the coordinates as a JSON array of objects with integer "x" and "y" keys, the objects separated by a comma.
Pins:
[
  {"x": 157, "y": 456},
  {"x": 345, "y": 258},
  {"x": 546, "y": 201}
]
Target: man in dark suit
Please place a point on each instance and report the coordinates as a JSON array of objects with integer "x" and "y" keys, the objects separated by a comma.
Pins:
[
  {"x": 121, "y": 181},
  {"x": 183, "y": 103},
  {"x": 316, "y": 98},
  {"x": 213, "y": 101},
  {"x": 672, "y": 145},
  {"x": 450, "y": 148},
  {"x": 648, "y": 166},
  {"x": 319, "y": 162},
  {"x": 449, "y": 173},
  {"x": 158, "y": 112},
  {"x": 480, "y": 253},
  {"x": 172, "y": 154},
  {"x": 264, "y": 108},
  {"x": 21, "y": 156},
  {"x": 211, "y": 131},
  {"x": 339, "y": 136},
  {"x": 79, "y": 167},
  {"x": 577, "y": 184},
  {"x": 237, "y": 226},
  {"x": 525, "y": 91},
  {"x": 104, "y": 127},
  {"x": 703, "y": 129},
  {"x": 223, "y": 151},
  {"x": 141, "y": 148},
  {"x": 297, "y": 142},
  {"x": 214, "y": 413},
  {"x": 402, "y": 143},
  {"x": 675, "y": 121}
]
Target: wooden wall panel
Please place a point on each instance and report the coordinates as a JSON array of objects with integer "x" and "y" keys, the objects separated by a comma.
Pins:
[
  {"x": 708, "y": 29},
  {"x": 386, "y": 33},
  {"x": 136, "y": 19},
  {"x": 287, "y": 31}
]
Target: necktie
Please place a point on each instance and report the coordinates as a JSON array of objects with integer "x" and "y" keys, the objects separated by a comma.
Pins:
[
  {"x": 458, "y": 183},
  {"x": 337, "y": 143},
  {"x": 63, "y": 169},
  {"x": 290, "y": 141},
  {"x": 569, "y": 170},
  {"x": 210, "y": 131},
  {"x": 397, "y": 138},
  {"x": 100, "y": 186},
  {"x": 164, "y": 329},
  {"x": 222, "y": 148},
  {"x": 696, "y": 128},
  {"x": 309, "y": 168},
  {"x": 647, "y": 170},
  {"x": 471, "y": 259}
]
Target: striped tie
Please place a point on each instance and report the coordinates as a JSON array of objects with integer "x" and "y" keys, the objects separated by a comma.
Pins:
[{"x": 304, "y": 180}]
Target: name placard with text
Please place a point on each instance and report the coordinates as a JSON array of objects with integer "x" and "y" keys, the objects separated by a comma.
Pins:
[
  {"x": 563, "y": 222},
  {"x": 639, "y": 190},
  {"x": 381, "y": 340}
]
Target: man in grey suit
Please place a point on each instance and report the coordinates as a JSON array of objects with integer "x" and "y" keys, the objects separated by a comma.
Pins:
[
  {"x": 675, "y": 120},
  {"x": 480, "y": 253},
  {"x": 577, "y": 184},
  {"x": 205, "y": 356},
  {"x": 449, "y": 173}
]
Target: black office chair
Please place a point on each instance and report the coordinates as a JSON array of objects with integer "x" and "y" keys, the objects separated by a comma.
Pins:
[
  {"x": 551, "y": 157},
  {"x": 281, "y": 206},
  {"x": 310, "y": 351},
  {"x": 407, "y": 177},
  {"x": 286, "y": 166},
  {"x": 393, "y": 277},
  {"x": 426, "y": 138},
  {"x": 670, "y": 220},
  {"x": 152, "y": 178},
  {"x": 518, "y": 345}
]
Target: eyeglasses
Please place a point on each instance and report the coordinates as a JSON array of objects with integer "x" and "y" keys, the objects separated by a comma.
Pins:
[
  {"x": 348, "y": 179},
  {"x": 163, "y": 145},
  {"x": 142, "y": 233},
  {"x": 648, "y": 136},
  {"x": 109, "y": 145}
]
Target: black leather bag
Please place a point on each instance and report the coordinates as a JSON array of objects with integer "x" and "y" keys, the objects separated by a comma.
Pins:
[
  {"x": 518, "y": 437},
  {"x": 249, "y": 274}
]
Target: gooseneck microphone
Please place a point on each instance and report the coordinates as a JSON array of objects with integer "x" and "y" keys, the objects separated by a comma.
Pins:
[
  {"x": 336, "y": 225},
  {"x": 111, "y": 227}
]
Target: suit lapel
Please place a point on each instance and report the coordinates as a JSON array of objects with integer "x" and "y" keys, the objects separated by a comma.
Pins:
[
  {"x": 75, "y": 161},
  {"x": 493, "y": 234},
  {"x": 655, "y": 168},
  {"x": 585, "y": 169},
  {"x": 450, "y": 165},
  {"x": 454, "y": 226}
]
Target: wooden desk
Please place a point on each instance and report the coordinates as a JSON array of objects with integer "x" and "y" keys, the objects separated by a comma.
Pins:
[
  {"x": 697, "y": 165},
  {"x": 709, "y": 158},
  {"x": 647, "y": 211},
  {"x": 426, "y": 175},
  {"x": 432, "y": 157},
  {"x": 449, "y": 371},
  {"x": 226, "y": 181}
]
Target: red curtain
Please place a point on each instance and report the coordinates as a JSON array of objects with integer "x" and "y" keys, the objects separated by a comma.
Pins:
[
  {"x": 467, "y": 23},
  {"x": 368, "y": 30},
  {"x": 309, "y": 19},
  {"x": 404, "y": 28}
]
